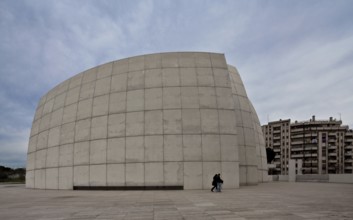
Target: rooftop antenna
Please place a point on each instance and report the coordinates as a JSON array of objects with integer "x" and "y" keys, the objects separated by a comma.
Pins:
[{"x": 340, "y": 115}]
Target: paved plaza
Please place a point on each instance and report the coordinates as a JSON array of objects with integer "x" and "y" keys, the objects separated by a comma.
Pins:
[{"x": 275, "y": 200}]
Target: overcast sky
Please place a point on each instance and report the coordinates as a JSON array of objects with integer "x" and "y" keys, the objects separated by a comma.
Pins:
[{"x": 295, "y": 57}]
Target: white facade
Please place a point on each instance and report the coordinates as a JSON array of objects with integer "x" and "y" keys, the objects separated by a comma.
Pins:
[{"x": 169, "y": 119}]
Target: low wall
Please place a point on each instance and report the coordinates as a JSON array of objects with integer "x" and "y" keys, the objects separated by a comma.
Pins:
[
  {"x": 341, "y": 178},
  {"x": 324, "y": 178}
]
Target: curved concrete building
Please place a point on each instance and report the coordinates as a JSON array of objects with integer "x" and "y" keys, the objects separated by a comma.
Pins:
[{"x": 160, "y": 120}]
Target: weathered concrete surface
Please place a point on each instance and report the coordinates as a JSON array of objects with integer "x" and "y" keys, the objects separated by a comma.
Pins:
[{"x": 276, "y": 200}]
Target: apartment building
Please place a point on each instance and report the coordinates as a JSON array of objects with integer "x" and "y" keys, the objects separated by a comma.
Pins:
[{"x": 323, "y": 146}]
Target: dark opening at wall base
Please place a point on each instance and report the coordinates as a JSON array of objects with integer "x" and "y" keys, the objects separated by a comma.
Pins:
[{"x": 128, "y": 187}]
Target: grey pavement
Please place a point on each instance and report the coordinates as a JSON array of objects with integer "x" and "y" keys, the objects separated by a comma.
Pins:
[{"x": 275, "y": 200}]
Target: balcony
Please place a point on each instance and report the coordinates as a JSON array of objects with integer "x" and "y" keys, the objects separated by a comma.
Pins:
[
  {"x": 348, "y": 168},
  {"x": 277, "y": 150},
  {"x": 276, "y": 137},
  {"x": 332, "y": 147},
  {"x": 296, "y": 142},
  {"x": 297, "y": 149},
  {"x": 276, "y": 131},
  {"x": 332, "y": 154},
  {"x": 310, "y": 155},
  {"x": 296, "y": 155},
  {"x": 349, "y": 147},
  {"x": 277, "y": 144},
  {"x": 332, "y": 161},
  {"x": 348, "y": 160},
  {"x": 310, "y": 148},
  {"x": 348, "y": 153}
]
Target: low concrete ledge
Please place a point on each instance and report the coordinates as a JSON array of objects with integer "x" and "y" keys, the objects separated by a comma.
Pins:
[
  {"x": 312, "y": 178},
  {"x": 341, "y": 178},
  {"x": 128, "y": 187}
]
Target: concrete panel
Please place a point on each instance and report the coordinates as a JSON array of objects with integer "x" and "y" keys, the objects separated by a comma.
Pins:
[
  {"x": 100, "y": 105},
  {"x": 209, "y": 169},
  {"x": 38, "y": 113},
  {"x": 251, "y": 177},
  {"x": 98, "y": 152},
  {"x": 251, "y": 158},
  {"x": 98, "y": 175},
  {"x": 82, "y": 131},
  {"x": 54, "y": 137},
  {"x": 154, "y": 174},
  {"x": 59, "y": 101},
  {"x": 52, "y": 159},
  {"x": 136, "y": 80},
  {"x": 81, "y": 153},
  {"x": 102, "y": 86},
  {"x": 192, "y": 175},
  {"x": 153, "y": 122},
  {"x": 48, "y": 107},
  {"x": 153, "y": 98},
  {"x": 134, "y": 123},
  {"x": 249, "y": 135},
  {"x": 61, "y": 88},
  {"x": 205, "y": 77},
  {"x": 211, "y": 149},
  {"x": 203, "y": 60},
  {"x": 191, "y": 120},
  {"x": 119, "y": 83},
  {"x": 169, "y": 60},
  {"x": 40, "y": 159},
  {"x": 209, "y": 121},
  {"x": 32, "y": 145},
  {"x": 218, "y": 60},
  {"x": 135, "y": 149},
  {"x": 230, "y": 175},
  {"x": 153, "y": 61},
  {"x": 172, "y": 121},
  {"x": 207, "y": 96},
  {"x": 229, "y": 148},
  {"x": 247, "y": 119},
  {"x": 224, "y": 98},
  {"x": 190, "y": 97},
  {"x": 44, "y": 123},
  {"x": 134, "y": 174},
  {"x": 116, "y": 125},
  {"x": 105, "y": 70},
  {"x": 188, "y": 77},
  {"x": 242, "y": 154},
  {"x": 135, "y": 100},
  {"x": 117, "y": 102},
  {"x": 89, "y": 75},
  {"x": 115, "y": 174},
  {"x": 192, "y": 148},
  {"x": 136, "y": 63},
  {"x": 227, "y": 122},
  {"x": 42, "y": 141},
  {"x": 84, "y": 109},
  {"x": 154, "y": 148},
  {"x": 99, "y": 127},
  {"x": 171, "y": 98},
  {"x": 87, "y": 91},
  {"x": 75, "y": 81},
  {"x": 81, "y": 176},
  {"x": 39, "y": 179},
  {"x": 72, "y": 96},
  {"x": 173, "y": 148},
  {"x": 153, "y": 78},
  {"x": 244, "y": 103},
  {"x": 116, "y": 150},
  {"x": 66, "y": 155},
  {"x": 170, "y": 77},
  {"x": 52, "y": 178},
  {"x": 120, "y": 66},
  {"x": 35, "y": 127},
  {"x": 173, "y": 173},
  {"x": 221, "y": 77},
  {"x": 31, "y": 161},
  {"x": 186, "y": 59},
  {"x": 69, "y": 113},
  {"x": 29, "y": 178}
]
